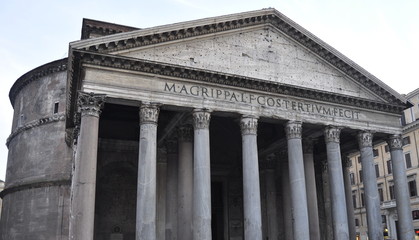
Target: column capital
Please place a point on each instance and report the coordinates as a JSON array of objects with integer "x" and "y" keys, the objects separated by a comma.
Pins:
[
  {"x": 201, "y": 118},
  {"x": 269, "y": 162},
  {"x": 249, "y": 125},
  {"x": 365, "y": 139},
  {"x": 308, "y": 145},
  {"x": 294, "y": 129},
  {"x": 149, "y": 113},
  {"x": 171, "y": 146},
  {"x": 332, "y": 134},
  {"x": 395, "y": 142},
  {"x": 185, "y": 133},
  {"x": 90, "y": 103}
]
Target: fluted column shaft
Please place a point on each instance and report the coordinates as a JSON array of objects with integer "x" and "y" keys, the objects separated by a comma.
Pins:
[
  {"x": 202, "y": 176},
  {"x": 251, "y": 187},
  {"x": 185, "y": 182},
  {"x": 147, "y": 169},
  {"x": 82, "y": 213},
  {"x": 313, "y": 212},
  {"x": 404, "y": 210},
  {"x": 171, "y": 189},
  {"x": 337, "y": 188},
  {"x": 372, "y": 199},
  {"x": 297, "y": 180},
  {"x": 349, "y": 203}
]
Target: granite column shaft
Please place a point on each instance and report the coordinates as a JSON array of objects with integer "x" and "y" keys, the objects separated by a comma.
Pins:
[
  {"x": 202, "y": 176},
  {"x": 147, "y": 169},
  {"x": 337, "y": 188},
  {"x": 310, "y": 177},
  {"x": 171, "y": 190},
  {"x": 251, "y": 187},
  {"x": 82, "y": 213},
  {"x": 185, "y": 181},
  {"x": 404, "y": 210},
  {"x": 372, "y": 199},
  {"x": 297, "y": 180}
]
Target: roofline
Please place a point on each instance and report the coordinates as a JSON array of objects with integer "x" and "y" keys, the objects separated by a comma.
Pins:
[{"x": 159, "y": 34}]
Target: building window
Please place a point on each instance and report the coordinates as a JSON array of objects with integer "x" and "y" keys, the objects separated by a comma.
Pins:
[
  {"x": 391, "y": 190},
  {"x": 359, "y": 159},
  {"x": 352, "y": 178},
  {"x": 415, "y": 214},
  {"x": 389, "y": 167},
  {"x": 354, "y": 198},
  {"x": 55, "y": 111},
  {"x": 383, "y": 219},
  {"x": 408, "y": 160},
  {"x": 349, "y": 162},
  {"x": 380, "y": 193},
  {"x": 377, "y": 171},
  {"x": 356, "y": 222},
  {"x": 362, "y": 200},
  {"x": 403, "y": 119},
  {"x": 360, "y": 175},
  {"x": 375, "y": 152},
  {"x": 406, "y": 141},
  {"x": 387, "y": 148},
  {"x": 412, "y": 188}
]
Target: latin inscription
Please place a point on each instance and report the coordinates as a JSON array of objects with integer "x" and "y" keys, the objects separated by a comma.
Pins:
[{"x": 261, "y": 100}]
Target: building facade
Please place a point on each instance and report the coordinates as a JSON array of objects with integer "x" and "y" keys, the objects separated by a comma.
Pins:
[
  {"x": 384, "y": 175},
  {"x": 231, "y": 127}
]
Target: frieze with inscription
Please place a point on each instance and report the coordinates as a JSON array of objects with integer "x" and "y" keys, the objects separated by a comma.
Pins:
[{"x": 259, "y": 100}]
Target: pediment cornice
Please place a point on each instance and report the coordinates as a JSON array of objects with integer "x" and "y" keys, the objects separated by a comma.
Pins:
[
  {"x": 163, "y": 69},
  {"x": 272, "y": 17}
]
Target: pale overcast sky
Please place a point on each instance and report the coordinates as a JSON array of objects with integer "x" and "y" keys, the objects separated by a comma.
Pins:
[{"x": 379, "y": 35}]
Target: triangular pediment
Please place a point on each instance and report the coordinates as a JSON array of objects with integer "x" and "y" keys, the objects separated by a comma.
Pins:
[{"x": 263, "y": 45}]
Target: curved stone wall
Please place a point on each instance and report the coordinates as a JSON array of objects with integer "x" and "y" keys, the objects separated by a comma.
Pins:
[{"x": 38, "y": 176}]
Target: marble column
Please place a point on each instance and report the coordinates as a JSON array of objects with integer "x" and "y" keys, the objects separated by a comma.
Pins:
[
  {"x": 271, "y": 197},
  {"x": 404, "y": 210},
  {"x": 202, "y": 176},
  {"x": 83, "y": 187},
  {"x": 348, "y": 193},
  {"x": 293, "y": 130},
  {"x": 313, "y": 212},
  {"x": 286, "y": 197},
  {"x": 185, "y": 182},
  {"x": 147, "y": 168},
  {"x": 251, "y": 187},
  {"x": 327, "y": 233},
  {"x": 372, "y": 199},
  {"x": 171, "y": 189},
  {"x": 337, "y": 188}
]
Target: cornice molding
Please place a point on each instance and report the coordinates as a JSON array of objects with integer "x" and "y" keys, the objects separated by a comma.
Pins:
[
  {"x": 28, "y": 186},
  {"x": 35, "y": 74},
  {"x": 263, "y": 17},
  {"x": 33, "y": 124}
]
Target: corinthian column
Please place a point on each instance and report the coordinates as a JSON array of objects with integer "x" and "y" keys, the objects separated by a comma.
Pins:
[
  {"x": 297, "y": 180},
  {"x": 171, "y": 189},
  {"x": 372, "y": 200},
  {"x": 202, "y": 176},
  {"x": 337, "y": 187},
  {"x": 84, "y": 176},
  {"x": 146, "y": 186},
  {"x": 185, "y": 182},
  {"x": 401, "y": 189},
  {"x": 349, "y": 203},
  {"x": 313, "y": 212},
  {"x": 251, "y": 187}
]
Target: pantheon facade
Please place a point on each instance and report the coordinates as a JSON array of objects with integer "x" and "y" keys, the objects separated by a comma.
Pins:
[{"x": 231, "y": 127}]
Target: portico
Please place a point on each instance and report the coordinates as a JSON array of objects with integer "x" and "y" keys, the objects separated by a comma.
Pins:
[{"x": 224, "y": 121}]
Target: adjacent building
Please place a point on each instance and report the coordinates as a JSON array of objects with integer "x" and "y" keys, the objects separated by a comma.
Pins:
[
  {"x": 384, "y": 176},
  {"x": 230, "y": 127}
]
